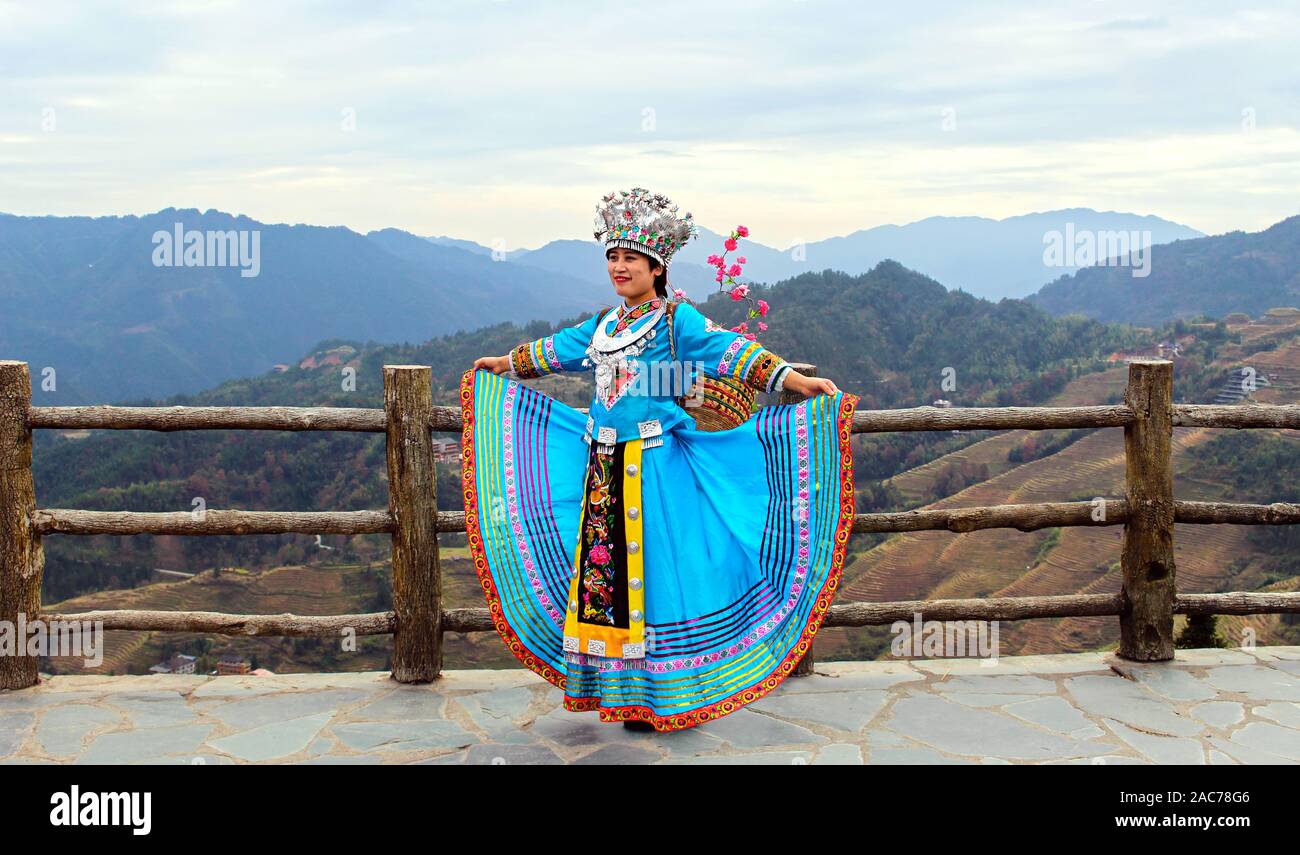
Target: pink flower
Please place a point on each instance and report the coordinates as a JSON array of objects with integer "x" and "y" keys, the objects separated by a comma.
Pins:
[
  {"x": 740, "y": 259},
  {"x": 678, "y": 292},
  {"x": 712, "y": 259},
  {"x": 718, "y": 278},
  {"x": 599, "y": 554},
  {"x": 731, "y": 244},
  {"x": 734, "y": 270},
  {"x": 742, "y": 231},
  {"x": 749, "y": 336},
  {"x": 761, "y": 326}
]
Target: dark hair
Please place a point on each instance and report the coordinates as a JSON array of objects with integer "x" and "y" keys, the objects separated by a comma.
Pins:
[{"x": 661, "y": 282}]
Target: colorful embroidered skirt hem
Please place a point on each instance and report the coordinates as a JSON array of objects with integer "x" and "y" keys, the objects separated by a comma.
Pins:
[{"x": 672, "y": 584}]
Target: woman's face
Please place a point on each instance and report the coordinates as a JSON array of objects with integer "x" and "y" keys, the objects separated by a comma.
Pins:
[{"x": 632, "y": 273}]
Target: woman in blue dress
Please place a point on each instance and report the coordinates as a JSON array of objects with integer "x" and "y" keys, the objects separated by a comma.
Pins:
[{"x": 660, "y": 574}]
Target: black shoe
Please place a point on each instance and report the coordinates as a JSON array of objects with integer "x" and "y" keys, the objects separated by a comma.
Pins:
[{"x": 632, "y": 724}]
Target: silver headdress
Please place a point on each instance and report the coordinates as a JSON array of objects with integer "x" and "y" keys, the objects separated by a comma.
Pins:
[{"x": 644, "y": 221}]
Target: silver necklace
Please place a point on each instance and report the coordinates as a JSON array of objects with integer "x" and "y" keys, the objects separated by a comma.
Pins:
[
  {"x": 606, "y": 343},
  {"x": 611, "y": 353}
]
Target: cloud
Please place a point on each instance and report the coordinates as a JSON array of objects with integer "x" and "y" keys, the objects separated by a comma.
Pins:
[{"x": 506, "y": 119}]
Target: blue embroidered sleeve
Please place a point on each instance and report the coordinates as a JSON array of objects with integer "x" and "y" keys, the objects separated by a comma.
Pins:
[
  {"x": 723, "y": 353},
  {"x": 563, "y": 351}
]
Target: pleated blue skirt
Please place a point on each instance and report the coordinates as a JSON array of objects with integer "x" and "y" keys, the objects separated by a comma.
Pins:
[{"x": 672, "y": 584}]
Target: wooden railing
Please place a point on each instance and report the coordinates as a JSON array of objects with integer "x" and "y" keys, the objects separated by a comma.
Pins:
[{"x": 1145, "y": 604}]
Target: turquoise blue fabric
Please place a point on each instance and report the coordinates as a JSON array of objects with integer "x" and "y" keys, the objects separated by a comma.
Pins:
[
  {"x": 704, "y": 346},
  {"x": 745, "y": 533}
]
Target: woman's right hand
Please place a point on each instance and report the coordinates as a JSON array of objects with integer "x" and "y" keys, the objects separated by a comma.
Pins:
[{"x": 495, "y": 364}]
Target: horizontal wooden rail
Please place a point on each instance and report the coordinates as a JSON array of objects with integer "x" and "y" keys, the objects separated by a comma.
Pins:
[
  {"x": 1217, "y": 513},
  {"x": 63, "y": 521},
  {"x": 1025, "y": 517},
  {"x": 1028, "y": 517},
  {"x": 846, "y": 614},
  {"x": 448, "y": 419},
  {"x": 1237, "y": 415},
  {"x": 990, "y": 418},
  {"x": 479, "y": 619},
  {"x": 377, "y": 623},
  {"x": 1237, "y": 603},
  {"x": 207, "y": 418}
]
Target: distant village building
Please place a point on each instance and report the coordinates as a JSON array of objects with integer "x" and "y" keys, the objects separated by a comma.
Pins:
[
  {"x": 280, "y": 367},
  {"x": 941, "y": 402},
  {"x": 229, "y": 663},
  {"x": 333, "y": 356},
  {"x": 178, "y": 664}
]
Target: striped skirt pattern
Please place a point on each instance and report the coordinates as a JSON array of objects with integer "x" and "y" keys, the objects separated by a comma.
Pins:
[{"x": 672, "y": 584}]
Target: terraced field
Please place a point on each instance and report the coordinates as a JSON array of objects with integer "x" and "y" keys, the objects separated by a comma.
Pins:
[{"x": 1006, "y": 562}]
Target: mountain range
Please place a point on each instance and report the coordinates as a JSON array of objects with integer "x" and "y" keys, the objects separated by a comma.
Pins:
[
  {"x": 984, "y": 257},
  {"x": 1215, "y": 276},
  {"x": 84, "y": 297},
  {"x": 105, "y": 311}
]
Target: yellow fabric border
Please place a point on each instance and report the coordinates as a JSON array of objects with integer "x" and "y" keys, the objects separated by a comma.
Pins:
[
  {"x": 539, "y": 357},
  {"x": 633, "y": 529},
  {"x": 743, "y": 364},
  {"x": 615, "y": 637}
]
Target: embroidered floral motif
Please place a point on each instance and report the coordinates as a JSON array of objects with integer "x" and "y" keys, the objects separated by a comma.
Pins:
[
  {"x": 598, "y": 570},
  {"x": 627, "y": 317}
]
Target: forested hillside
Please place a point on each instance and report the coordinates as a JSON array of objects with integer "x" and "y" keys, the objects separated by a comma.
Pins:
[{"x": 1214, "y": 276}]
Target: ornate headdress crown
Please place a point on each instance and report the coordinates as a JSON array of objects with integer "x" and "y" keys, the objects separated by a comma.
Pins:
[{"x": 644, "y": 221}]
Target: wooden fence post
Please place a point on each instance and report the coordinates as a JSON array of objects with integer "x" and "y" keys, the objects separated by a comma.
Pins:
[
  {"x": 22, "y": 557},
  {"x": 805, "y": 666},
  {"x": 413, "y": 502},
  {"x": 1147, "y": 624}
]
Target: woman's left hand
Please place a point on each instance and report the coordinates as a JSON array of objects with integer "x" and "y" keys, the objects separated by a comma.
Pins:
[{"x": 809, "y": 386}]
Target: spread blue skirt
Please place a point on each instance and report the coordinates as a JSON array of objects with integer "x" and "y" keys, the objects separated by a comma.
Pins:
[{"x": 673, "y": 583}]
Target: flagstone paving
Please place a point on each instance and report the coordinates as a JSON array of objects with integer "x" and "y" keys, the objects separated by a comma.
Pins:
[{"x": 1231, "y": 706}]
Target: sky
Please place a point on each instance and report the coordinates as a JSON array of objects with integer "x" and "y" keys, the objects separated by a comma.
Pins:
[{"x": 504, "y": 121}]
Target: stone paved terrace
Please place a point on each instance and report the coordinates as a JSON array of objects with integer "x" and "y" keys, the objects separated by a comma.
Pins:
[{"x": 1207, "y": 706}]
